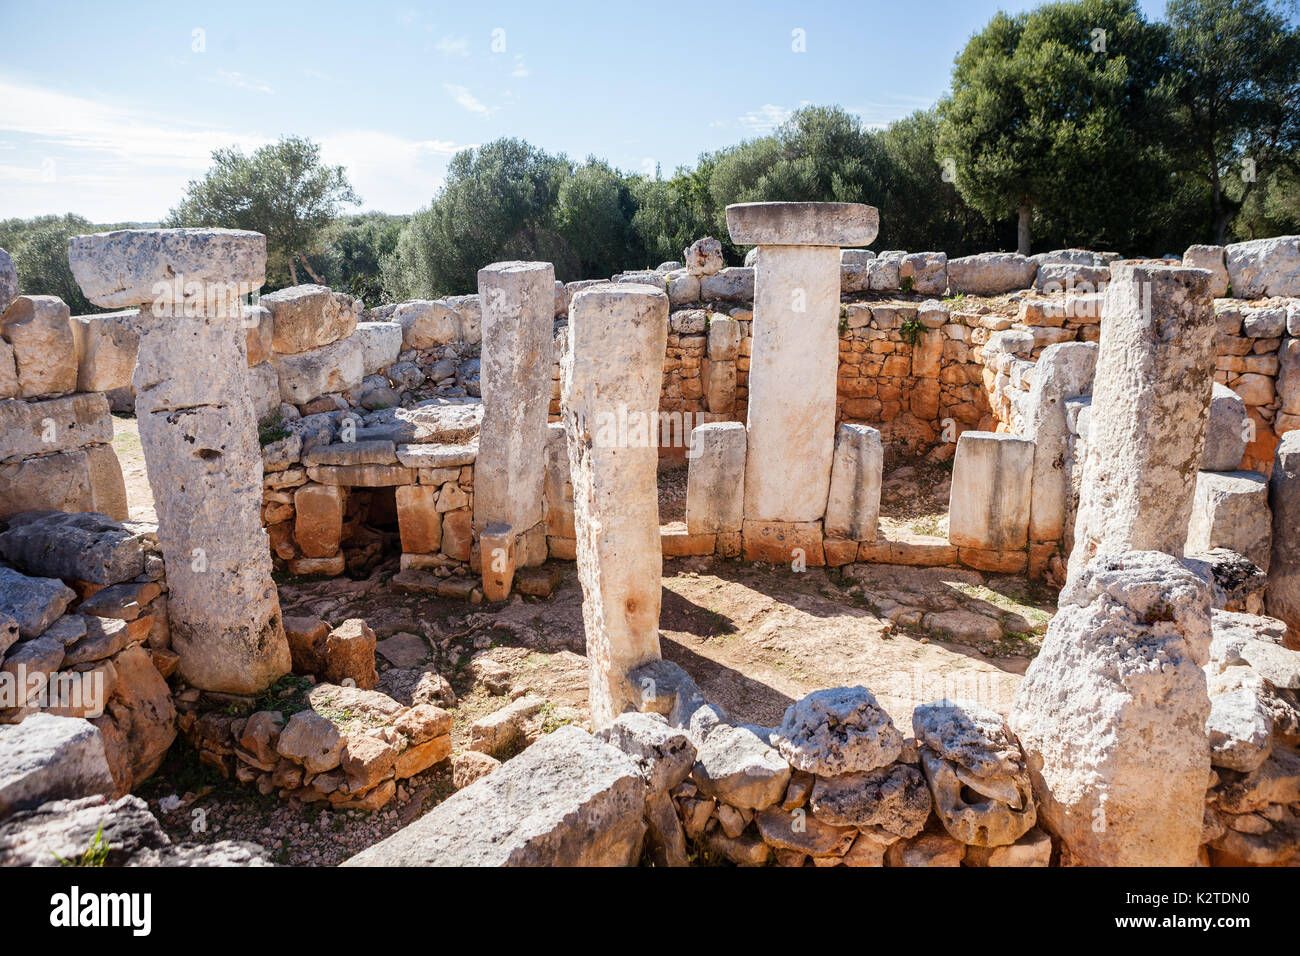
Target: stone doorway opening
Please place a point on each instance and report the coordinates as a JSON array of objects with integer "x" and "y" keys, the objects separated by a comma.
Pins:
[{"x": 370, "y": 529}]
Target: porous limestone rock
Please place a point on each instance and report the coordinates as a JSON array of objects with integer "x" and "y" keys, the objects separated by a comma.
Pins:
[
  {"x": 336, "y": 367},
  {"x": 835, "y": 731},
  {"x": 664, "y": 754},
  {"x": 1064, "y": 370},
  {"x": 1211, "y": 259},
  {"x": 1111, "y": 714},
  {"x": 737, "y": 766},
  {"x": 307, "y": 317},
  {"x": 381, "y": 344},
  {"x": 53, "y": 425},
  {"x": 703, "y": 257},
  {"x": 106, "y": 349},
  {"x": 34, "y": 603},
  {"x": 567, "y": 800},
  {"x": 976, "y": 772},
  {"x": 892, "y": 799}
]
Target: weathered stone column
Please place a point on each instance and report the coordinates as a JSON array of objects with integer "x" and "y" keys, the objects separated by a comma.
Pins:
[
  {"x": 199, "y": 437},
  {"x": 518, "y": 300},
  {"x": 795, "y": 352},
  {"x": 612, "y": 374},
  {"x": 1155, "y": 371},
  {"x": 988, "y": 507}
]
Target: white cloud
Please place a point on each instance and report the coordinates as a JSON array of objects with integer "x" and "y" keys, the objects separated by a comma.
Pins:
[
  {"x": 467, "y": 100},
  {"x": 765, "y": 119},
  {"x": 241, "y": 82},
  {"x": 452, "y": 46},
  {"x": 112, "y": 163}
]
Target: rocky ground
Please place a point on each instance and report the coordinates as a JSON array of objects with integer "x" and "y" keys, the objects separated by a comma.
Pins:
[{"x": 755, "y": 639}]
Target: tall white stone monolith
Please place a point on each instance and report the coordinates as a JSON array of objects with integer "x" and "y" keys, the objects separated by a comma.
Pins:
[
  {"x": 795, "y": 351},
  {"x": 518, "y": 301},
  {"x": 611, "y": 378}
]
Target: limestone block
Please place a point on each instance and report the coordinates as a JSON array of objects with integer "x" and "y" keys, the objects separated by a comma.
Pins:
[
  {"x": 39, "y": 329},
  {"x": 332, "y": 368},
  {"x": 1288, "y": 379},
  {"x": 34, "y": 603},
  {"x": 802, "y": 224},
  {"x": 194, "y": 268},
  {"x": 612, "y": 374},
  {"x": 1211, "y": 259},
  {"x": 682, "y": 288},
  {"x": 1283, "y": 599},
  {"x": 783, "y": 542},
  {"x": 1064, "y": 371},
  {"x": 1230, "y": 510},
  {"x": 853, "y": 504},
  {"x": 703, "y": 257},
  {"x": 427, "y": 324},
  {"x": 53, "y": 425},
  {"x": 927, "y": 270},
  {"x": 381, "y": 343},
  {"x": 725, "y": 334},
  {"x": 106, "y": 348},
  {"x": 259, "y": 334},
  {"x": 418, "y": 520},
  {"x": 82, "y": 547},
  {"x": 497, "y": 549},
  {"x": 567, "y": 800},
  {"x": 264, "y": 390},
  {"x": 837, "y": 731},
  {"x": 1155, "y": 373},
  {"x": 795, "y": 339},
  {"x": 515, "y": 381},
  {"x": 715, "y": 480},
  {"x": 557, "y": 490},
  {"x": 991, "y": 491},
  {"x": 733, "y": 284},
  {"x": 1225, "y": 432},
  {"x": 469, "y": 314},
  {"x": 882, "y": 275},
  {"x": 991, "y": 273},
  {"x": 1111, "y": 714},
  {"x": 47, "y": 758},
  {"x": 306, "y": 317},
  {"x": 1264, "y": 267},
  {"x": 318, "y": 519}
]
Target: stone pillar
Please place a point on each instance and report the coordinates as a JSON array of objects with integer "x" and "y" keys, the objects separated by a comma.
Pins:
[
  {"x": 497, "y": 554},
  {"x": 988, "y": 506},
  {"x": 715, "y": 479},
  {"x": 1155, "y": 370},
  {"x": 518, "y": 302},
  {"x": 618, "y": 335},
  {"x": 1064, "y": 370},
  {"x": 1284, "y": 569},
  {"x": 853, "y": 508},
  {"x": 199, "y": 437},
  {"x": 795, "y": 352}
]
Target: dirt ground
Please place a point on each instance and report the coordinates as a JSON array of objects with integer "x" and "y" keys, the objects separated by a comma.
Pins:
[{"x": 756, "y": 638}]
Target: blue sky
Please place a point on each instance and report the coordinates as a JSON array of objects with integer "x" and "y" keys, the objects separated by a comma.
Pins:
[{"x": 108, "y": 109}]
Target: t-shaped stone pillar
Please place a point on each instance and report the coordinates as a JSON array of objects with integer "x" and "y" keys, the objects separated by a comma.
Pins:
[
  {"x": 199, "y": 437},
  {"x": 795, "y": 352},
  {"x": 611, "y": 377}
]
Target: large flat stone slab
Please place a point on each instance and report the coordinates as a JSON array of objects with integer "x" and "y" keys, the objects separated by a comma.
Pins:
[
  {"x": 568, "y": 800},
  {"x": 802, "y": 224},
  {"x": 51, "y": 758}
]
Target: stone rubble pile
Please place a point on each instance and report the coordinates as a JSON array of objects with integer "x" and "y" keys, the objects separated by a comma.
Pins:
[{"x": 84, "y": 633}]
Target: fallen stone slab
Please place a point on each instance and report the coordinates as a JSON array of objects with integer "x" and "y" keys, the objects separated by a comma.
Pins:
[
  {"x": 50, "y": 758},
  {"x": 85, "y": 547},
  {"x": 568, "y": 800}
]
